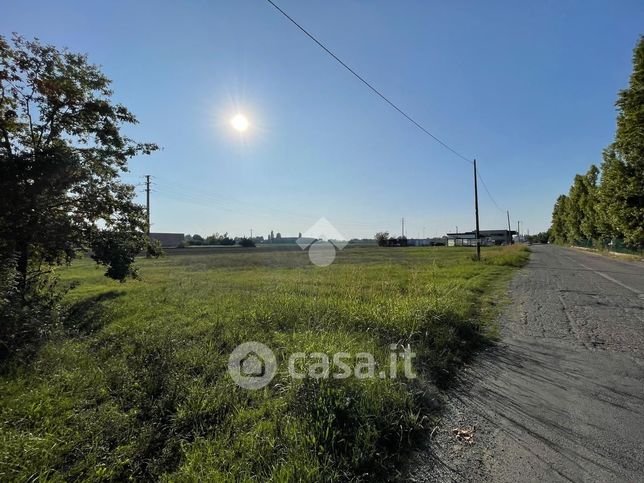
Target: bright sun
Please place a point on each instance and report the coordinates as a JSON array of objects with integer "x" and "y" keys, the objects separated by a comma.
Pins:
[{"x": 239, "y": 122}]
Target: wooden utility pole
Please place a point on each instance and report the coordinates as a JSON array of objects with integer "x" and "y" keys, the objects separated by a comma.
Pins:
[
  {"x": 403, "y": 227},
  {"x": 476, "y": 211},
  {"x": 147, "y": 202},
  {"x": 509, "y": 229},
  {"x": 518, "y": 230}
]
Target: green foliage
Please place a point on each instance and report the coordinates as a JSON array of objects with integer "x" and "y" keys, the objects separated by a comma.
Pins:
[
  {"x": 118, "y": 249},
  {"x": 153, "y": 248},
  {"x": 573, "y": 215},
  {"x": 26, "y": 319},
  {"x": 589, "y": 204},
  {"x": 195, "y": 239},
  {"x": 622, "y": 199},
  {"x": 214, "y": 239},
  {"x": 614, "y": 207},
  {"x": 579, "y": 218},
  {"x": 382, "y": 238},
  {"x": 142, "y": 392},
  {"x": 542, "y": 237},
  {"x": 511, "y": 256},
  {"x": 218, "y": 239},
  {"x": 246, "y": 242},
  {"x": 61, "y": 153},
  {"x": 559, "y": 221}
]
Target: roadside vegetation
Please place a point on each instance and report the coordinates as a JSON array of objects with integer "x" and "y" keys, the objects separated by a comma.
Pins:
[
  {"x": 133, "y": 382},
  {"x": 605, "y": 207}
]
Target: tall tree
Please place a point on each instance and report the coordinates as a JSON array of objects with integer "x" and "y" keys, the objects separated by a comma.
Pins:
[
  {"x": 588, "y": 203},
  {"x": 559, "y": 228},
  {"x": 573, "y": 214},
  {"x": 622, "y": 184},
  {"x": 62, "y": 151}
]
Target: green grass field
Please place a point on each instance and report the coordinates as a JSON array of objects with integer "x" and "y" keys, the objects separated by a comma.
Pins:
[{"x": 135, "y": 385}]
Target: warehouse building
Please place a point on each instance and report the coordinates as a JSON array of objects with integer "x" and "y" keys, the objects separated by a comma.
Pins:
[
  {"x": 168, "y": 240},
  {"x": 486, "y": 238}
]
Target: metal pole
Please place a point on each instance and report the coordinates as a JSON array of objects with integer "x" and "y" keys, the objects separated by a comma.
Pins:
[
  {"x": 147, "y": 202},
  {"x": 509, "y": 229},
  {"x": 476, "y": 210}
]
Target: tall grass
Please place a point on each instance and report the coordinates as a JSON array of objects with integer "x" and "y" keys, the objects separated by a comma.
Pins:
[
  {"x": 136, "y": 386},
  {"x": 512, "y": 256}
]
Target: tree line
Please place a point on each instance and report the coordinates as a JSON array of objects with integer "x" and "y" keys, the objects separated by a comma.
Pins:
[
  {"x": 218, "y": 239},
  {"x": 384, "y": 240},
  {"x": 606, "y": 205}
]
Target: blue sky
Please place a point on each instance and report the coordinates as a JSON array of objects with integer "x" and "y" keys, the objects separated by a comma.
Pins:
[{"x": 528, "y": 88}]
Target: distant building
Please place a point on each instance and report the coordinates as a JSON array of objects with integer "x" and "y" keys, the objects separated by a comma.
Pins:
[
  {"x": 467, "y": 239},
  {"x": 418, "y": 242},
  {"x": 168, "y": 240},
  {"x": 486, "y": 237},
  {"x": 426, "y": 242}
]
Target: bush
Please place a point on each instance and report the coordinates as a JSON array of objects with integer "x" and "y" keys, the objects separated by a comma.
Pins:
[
  {"x": 153, "y": 248},
  {"x": 246, "y": 242},
  {"x": 29, "y": 317},
  {"x": 218, "y": 239},
  {"x": 382, "y": 238}
]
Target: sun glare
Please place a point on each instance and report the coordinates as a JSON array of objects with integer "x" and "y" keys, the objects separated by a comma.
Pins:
[{"x": 239, "y": 122}]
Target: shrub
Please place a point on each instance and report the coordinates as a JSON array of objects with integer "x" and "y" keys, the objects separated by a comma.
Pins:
[
  {"x": 27, "y": 317},
  {"x": 382, "y": 238},
  {"x": 246, "y": 242}
]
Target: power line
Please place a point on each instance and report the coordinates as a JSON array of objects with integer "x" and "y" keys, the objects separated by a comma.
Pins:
[
  {"x": 370, "y": 86},
  {"x": 490, "y": 194},
  {"x": 387, "y": 100},
  {"x": 209, "y": 198}
]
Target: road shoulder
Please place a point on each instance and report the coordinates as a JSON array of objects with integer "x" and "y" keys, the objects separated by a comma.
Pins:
[{"x": 560, "y": 397}]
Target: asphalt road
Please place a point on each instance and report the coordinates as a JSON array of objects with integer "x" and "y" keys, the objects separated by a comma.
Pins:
[{"x": 561, "y": 397}]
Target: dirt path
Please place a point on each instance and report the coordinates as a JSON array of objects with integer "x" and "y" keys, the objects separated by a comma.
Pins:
[{"x": 561, "y": 397}]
